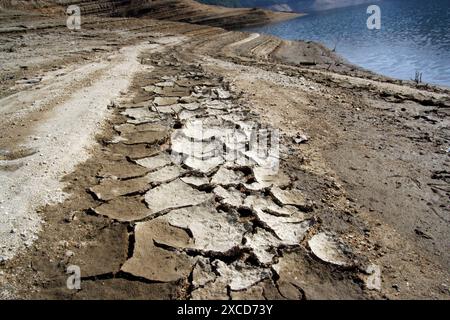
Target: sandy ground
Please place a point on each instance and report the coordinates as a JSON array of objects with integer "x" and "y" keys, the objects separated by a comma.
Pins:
[
  {"x": 57, "y": 144},
  {"x": 358, "y": 208}
]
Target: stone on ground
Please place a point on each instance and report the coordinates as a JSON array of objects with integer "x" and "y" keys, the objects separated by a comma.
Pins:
[{"x": 328, "y": 249}]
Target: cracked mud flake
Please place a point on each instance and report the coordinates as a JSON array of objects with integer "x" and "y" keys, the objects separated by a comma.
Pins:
[
  {"x": 290, "y": 230},
  {"x": 165, "y": 84},
  {"x": 165, "y": 101},
  {"x": 140, "y": 114},
  {"x": 221, "y": 93},
  {"x": 154, "y": 263},
  {"x": 169, "y": 109},
  {"x": 216, "y": 104},
  {"x": 328, "y": 249},
  {"x": 188, "y": 99},
  {"x": 215, "y": 112},
  {"x": 268, "y": 177},
  {"x": 160, "y": 160},
  {"x": 122, "y": 170},
  {"x": 116, "y": 139},
  {"x": 290, "y": 233},
  {"x": 240, "y": 276},
  {"x": 172, "y": 91},
  {"x": 173, "y": 195},
  {"x": 191, "y": 106},
  {"x": 149, "y": 137},
  {"x": 109, "y": 189},
  {"x": 212, "y": 231},
  {"x": 255, "y": 186},
  {"x": 268, "y": 206},
  {"x": 237, "y": 277},
  {"x": 226, "y": 177},
  {"x": 292, "y": 197},
  {"x": 297, "y": 270},
  {"x": 204, "y": 166},
  {"x": 197, "y": 130},
  {"x": 124, "y": 209},
  {"x": 230, "y": 197},
  {"x": 104, "y": 252},
  {"x": 165, "y": 174},
  {"x": 262, "y": 244},
  {"x": 163, "y": 233},
  {"x": 184, "y": 145},
  {"x": 289, "y": 290},
  {"x": 195, "y": 181},
  {"x": 188, "y": 114},
  {"x": 203, "y": 272},
  {"x": 157, "y": 118},
  {"x": 150, "y": 89},
  {"x": 264, "y": 160},
  {"x": 127, "y": 128}
]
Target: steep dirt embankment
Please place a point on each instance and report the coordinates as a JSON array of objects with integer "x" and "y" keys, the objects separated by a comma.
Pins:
[{"x": 173, "y": 10}]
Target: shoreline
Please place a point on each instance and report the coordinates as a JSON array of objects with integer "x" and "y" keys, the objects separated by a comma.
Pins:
[{"x": 444, "y": 86}]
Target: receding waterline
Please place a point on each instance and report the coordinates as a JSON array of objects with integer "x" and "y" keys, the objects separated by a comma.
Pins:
[{"x": 414, "y": 36}]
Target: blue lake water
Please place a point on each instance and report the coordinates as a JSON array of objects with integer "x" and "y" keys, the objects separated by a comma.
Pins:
[{"x": 414, "y": 36}]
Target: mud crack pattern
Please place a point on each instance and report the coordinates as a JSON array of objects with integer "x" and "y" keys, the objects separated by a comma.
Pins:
[{"x": 198, "y": 180}]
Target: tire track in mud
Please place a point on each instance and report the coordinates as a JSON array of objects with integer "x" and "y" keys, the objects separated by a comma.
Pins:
[{"x": 58, "y": 145}]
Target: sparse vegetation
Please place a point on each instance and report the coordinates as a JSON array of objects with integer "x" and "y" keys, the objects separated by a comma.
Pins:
[{"x": 418, "y": 77}]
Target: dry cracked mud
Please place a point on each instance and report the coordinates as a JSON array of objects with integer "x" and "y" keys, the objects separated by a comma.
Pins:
[{"x": 240, "y": 173}]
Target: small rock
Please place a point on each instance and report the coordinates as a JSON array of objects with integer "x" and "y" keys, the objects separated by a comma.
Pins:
[
  {"x": 300, "y": 138},
  {"x": 373, "y": 281},
  {"x": 328, "y": 249},
  {"x": 69, "y": 253}
]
